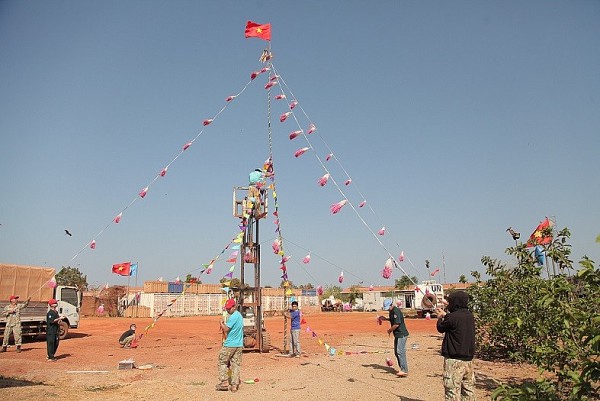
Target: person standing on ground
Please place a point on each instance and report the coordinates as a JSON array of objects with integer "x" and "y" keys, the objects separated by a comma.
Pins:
[
  {"x": 12, "y": 313},
  {"x": 458, "y": 347},
  {"x": 52, "y": 329},
  {"x": 230, "y": 355},
  {"x": 398, "y": 327},
  {"x": 294, "y": 315}
]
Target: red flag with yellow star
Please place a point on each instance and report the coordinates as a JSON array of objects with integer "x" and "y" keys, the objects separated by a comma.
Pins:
[
  {"x": 122, "y": 268},
  {"x": 539, "y": 237},
  {"x": 255, "y": 30}
]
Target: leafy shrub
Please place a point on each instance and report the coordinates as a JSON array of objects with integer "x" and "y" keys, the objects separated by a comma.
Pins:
[{"x": 528, "y": 313}]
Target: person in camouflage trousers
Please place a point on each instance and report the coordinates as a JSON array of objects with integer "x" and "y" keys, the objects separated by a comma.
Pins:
[
  {"x": 458, "y": 347},
  {"x": 12, "y": 313}
]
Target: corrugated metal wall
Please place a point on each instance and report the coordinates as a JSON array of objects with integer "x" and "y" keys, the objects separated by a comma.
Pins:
[{"x": 208, "y": 304}]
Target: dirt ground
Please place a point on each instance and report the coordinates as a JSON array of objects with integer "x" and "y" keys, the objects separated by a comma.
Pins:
[{"x": 181, "y": 357}]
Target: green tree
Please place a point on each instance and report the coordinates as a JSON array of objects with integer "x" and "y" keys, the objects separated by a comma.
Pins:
[
  {"x": 334, "y": 290},
  {"x": 71, "y": 276},
  {"x": 522, "y": 316},
  {"x": 354, "y": 294},
  {"x": 462, "y": 279},
  {"x": 190, "y": 279},
  {"x": 406, "y": 281}
]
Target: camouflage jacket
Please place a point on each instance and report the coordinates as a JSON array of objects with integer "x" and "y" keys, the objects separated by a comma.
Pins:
[{"x": 13, "y": 313}]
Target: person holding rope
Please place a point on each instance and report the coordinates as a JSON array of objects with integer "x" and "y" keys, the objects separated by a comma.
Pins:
[
  {"x": 230, "y": 355},
  {"x": 398, "y": 327},
  {"x": 12, "y": 313}
]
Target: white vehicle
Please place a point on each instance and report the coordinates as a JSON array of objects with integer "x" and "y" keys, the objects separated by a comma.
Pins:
[{"x": 428, "y": 296}]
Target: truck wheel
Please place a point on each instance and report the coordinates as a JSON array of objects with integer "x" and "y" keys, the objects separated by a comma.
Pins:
[{"x": 63, "y": 330}]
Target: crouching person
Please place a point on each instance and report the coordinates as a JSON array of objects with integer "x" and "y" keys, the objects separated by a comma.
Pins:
[{"x": 127, "y": 338}]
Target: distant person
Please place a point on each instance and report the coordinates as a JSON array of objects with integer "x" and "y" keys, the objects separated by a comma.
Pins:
[
  {"x": 295, "y": 316},
  {"x": 52, "y": 329},
  {"x": 458, "y": 347},
  {"x": 127, "y": 339},
  {"x": 12, "y": 313},
  {"x": 230, "y": 355},
  {"x": 398, "y": 327}
]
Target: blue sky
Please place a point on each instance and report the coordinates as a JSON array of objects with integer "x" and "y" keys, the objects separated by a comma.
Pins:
[{"x": 454, "y": 120}]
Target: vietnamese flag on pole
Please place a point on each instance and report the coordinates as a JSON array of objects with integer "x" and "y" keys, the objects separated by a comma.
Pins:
[
  {"x": 539, "y": 237},
  {"x": 255, "y": 30},
  {"x": 122, "y": 269}
]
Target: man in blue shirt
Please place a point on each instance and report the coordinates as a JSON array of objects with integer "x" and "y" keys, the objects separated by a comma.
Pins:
[
  {"x": 295, "y": 316},
  {"x": 230, "y": 355}
]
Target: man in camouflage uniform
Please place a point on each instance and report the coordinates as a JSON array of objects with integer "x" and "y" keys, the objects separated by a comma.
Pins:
[
  {"x": 458, "y": 347},
  {"x": 12, "y": 313}
]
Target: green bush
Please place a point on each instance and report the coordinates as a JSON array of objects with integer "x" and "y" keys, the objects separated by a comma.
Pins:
[{"x": 548, "y": 316}]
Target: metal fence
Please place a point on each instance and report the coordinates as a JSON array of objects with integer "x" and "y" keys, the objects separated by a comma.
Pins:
[{"x": 208, "y": 304}]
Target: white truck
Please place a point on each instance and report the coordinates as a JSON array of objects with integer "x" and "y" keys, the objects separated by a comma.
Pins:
[
  {"x": 429, "y": 295},
  {"x": 38, "y": 283}
]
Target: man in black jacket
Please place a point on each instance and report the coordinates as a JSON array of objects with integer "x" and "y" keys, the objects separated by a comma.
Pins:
[{"x": 458, "y": 347}]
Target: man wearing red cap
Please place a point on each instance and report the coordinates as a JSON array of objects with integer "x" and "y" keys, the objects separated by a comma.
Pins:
[
  {"x": 231, "y": 352},
  {"x": 52, "y": 330},
  {"x": 12, "y": 312}
]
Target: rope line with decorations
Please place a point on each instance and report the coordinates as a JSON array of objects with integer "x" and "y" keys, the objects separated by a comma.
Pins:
[{"x": 207, "y": 268}]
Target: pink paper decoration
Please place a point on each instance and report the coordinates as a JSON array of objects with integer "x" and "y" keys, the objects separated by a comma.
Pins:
[
  {"x": 93, "y": 244},
  {"x": 306, "y": 259},
  {"x": 118, "y": 218},
  {"x": 207, "y": 121},
  {"x": 276, "y": 246},
  {"x": 300, "y": 152},
  {"x": 143, "y": 192},
  {"x": 294, "y": 134},
  {"x": 163, "y": 172},
  {"x": 328, "y": 157},
  {"x": 336, "y": 207},
  {"x": 401, "y": 257},
  {"x": 279, "y": 97},
  {"x": 323, "y": 180},
  {"x": 311, "y": 128},
  {"x": 319, "y": 290},
  {"x": 187, "y": 145},
  {"x": 270, "y": 84},
  {"x": 341, "y": 278},
  {"x": 381, "y": 231},
  {"x": 348, "y": 182},
  {"x": 230, "y": 98},
  {"x": 284, "y": 116},
  {"x": 52, "y": 283},
  {"x": 362, "y": 203},
  {"x": 293, "y": 104}
]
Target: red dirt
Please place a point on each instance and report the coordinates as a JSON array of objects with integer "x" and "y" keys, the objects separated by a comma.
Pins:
[{"x": 182, "y": 354}]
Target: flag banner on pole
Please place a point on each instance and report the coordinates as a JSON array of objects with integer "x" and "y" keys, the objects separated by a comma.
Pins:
[
  {"x": 122, "y": 269},
  {"x": 539, "y": 237},
  {"x": 133, "y": 269},
  {"x": 255, "y": 30}
]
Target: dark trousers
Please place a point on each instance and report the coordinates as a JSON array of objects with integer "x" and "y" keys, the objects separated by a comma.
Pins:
[{"x": 51, "y": 343}]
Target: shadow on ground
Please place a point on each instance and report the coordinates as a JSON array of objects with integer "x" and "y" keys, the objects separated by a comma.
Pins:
[{"x": 6, "y": 382}]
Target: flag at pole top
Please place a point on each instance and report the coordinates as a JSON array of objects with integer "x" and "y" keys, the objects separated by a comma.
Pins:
[{"x": 256, "y": 30}]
